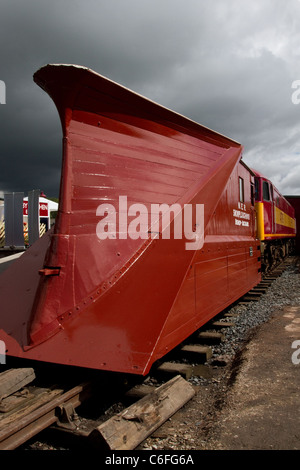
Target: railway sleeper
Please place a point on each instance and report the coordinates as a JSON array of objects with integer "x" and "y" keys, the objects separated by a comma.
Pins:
[
  {"x": 210, "y": 337},
  {"x": 248, "y": 298},
  {"x": 13, "y": 380},
  {"x": 167, "y": 369},
  {"x": 132, "y": 426},
  {"x": 45, "y": 408},
  {"x": 222, "y": 324},
  {"x": 196, "y": 352}
]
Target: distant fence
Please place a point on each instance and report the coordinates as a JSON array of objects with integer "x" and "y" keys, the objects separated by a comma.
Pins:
[
  {"x": 2, "y": 234},
  {"x": 25, "y": 227}
]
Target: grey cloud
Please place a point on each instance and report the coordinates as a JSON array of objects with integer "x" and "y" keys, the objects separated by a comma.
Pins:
[{"x": 226, "y": 64}]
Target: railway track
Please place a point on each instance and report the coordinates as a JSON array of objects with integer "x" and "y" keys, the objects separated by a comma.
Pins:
[{"x": 111, "y": 411}]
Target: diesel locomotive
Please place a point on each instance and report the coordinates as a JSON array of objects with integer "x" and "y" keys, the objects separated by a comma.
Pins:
[{"x": 276, "y": 223}]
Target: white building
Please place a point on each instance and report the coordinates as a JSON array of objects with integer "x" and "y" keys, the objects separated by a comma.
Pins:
[{"x": 47, "y": 207}]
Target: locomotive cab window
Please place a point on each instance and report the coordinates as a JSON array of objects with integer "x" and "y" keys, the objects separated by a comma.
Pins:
[
  {"x": 252, "y": 194},
  {"x": 257, "y": 191},
  {"x": 241, "y": 190},
  {"x": 266, "y": 191}
]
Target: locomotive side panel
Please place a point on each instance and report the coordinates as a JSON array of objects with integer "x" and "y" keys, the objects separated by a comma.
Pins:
[
  {"x": 295, "y": 202},
  {"x": 231, "y": 232},
  {"x": 226, "y": 267}
]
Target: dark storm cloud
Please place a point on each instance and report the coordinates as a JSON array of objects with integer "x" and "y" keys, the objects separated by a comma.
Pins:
[{"x": 227, "y": 64}]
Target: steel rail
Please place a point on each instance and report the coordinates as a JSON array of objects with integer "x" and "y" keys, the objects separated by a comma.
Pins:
[{"x": 21, "y": 431}]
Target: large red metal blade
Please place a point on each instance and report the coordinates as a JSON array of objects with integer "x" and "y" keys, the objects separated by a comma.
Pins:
[{"x": 104, "y": 303}]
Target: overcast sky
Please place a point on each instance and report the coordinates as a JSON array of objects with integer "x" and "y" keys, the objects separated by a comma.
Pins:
[{"x": 227, "y": 64}]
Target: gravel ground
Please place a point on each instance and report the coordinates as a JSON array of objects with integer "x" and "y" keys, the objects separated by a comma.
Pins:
[
  {"x": 285, "y": 290},
  {"x": 194, "y": 427}
]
